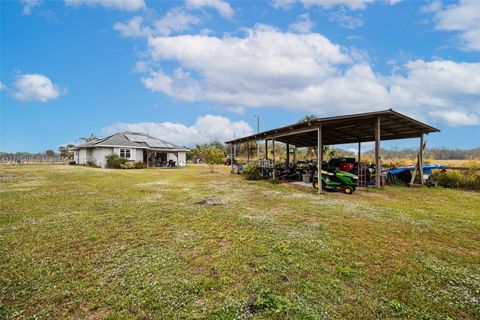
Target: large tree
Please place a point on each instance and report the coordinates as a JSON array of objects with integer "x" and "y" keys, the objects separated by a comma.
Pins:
[
  {"x": 66, "y": 151},
  {"x": 212, "y": 156}
]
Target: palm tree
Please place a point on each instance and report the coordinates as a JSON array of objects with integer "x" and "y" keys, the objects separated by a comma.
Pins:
[
  {"x": 90, "y": 138},
  {"x": 312, "y": 152}
]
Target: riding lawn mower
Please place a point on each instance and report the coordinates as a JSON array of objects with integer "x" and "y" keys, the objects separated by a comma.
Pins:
[{"x": 337, "y": 181}]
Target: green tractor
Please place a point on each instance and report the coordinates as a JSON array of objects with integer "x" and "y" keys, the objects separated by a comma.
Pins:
[{"x": 337, "y": 181}]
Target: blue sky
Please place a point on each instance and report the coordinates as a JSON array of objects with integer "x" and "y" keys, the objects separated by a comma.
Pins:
[{"x": 191, "y": 71}]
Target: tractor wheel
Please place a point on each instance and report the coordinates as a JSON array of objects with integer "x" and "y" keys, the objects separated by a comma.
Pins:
[{"x": 348, "y": 190}]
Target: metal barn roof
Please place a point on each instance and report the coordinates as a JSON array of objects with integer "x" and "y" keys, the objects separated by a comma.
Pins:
[{"x": 352, "y": 128}]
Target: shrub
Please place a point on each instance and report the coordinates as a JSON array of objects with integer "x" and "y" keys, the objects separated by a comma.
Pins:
[
  {"x": 212, "y": 156},
  {"x": 139, "y": 165},
  {"x": 252, "y": 172},
  {"x": 127, "y": 165},
  {"x": 114, "y": 161},
  {"x": 468, "y": 179},
  {"x": 92, "y": 164}
]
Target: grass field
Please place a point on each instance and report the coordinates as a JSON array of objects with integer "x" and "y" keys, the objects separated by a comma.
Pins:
[{"x": 88, "y": 243}]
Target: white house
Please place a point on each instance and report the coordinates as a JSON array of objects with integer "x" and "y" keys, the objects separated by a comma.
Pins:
[{"x": 135, "y": 147}]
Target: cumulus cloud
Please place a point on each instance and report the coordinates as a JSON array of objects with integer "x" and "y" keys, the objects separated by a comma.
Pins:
[
  {"x": 303, "y": 24},
  {"x": 329, "y": 4},
  {"x": 175, "y": 20},
  {"x": 307, "y": 72},
  {"x": 35, "y": 87},
  {"x": 222, "y": 7},
  {"x": 206, "y": 129},
  {"x": 123, "y": 5},
  {"x": 28, "y": 6},
  {"x": 463, "y": 18},
  {"x": 457, "y": 118},
  {"x": 133, "y": 28},
  {"x": 441, "y": 83}
]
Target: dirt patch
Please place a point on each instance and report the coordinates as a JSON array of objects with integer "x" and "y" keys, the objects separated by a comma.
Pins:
[
  {"x": 211, "y": 201},
  {"x": 271, "y": 193},
  {"x": 155, "y": 183}
]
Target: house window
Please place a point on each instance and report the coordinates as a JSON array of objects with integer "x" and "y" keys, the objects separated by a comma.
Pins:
[{"x": 125, "y": 153}]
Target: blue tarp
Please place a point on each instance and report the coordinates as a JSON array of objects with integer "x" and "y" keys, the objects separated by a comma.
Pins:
[{"x": 427, "y": 168}]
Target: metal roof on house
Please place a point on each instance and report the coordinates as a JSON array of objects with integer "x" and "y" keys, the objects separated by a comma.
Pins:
[
  {"x": 133, "y": 140},
  {"x": 352, "y": 128}
]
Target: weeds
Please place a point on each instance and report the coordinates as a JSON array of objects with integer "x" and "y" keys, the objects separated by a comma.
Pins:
[
  {"x": 84, "y": 243},
  {"x": 465, "y": 179}
]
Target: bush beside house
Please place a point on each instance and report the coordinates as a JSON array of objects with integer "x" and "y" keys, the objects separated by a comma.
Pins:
[{"x": 114, "y": 161}]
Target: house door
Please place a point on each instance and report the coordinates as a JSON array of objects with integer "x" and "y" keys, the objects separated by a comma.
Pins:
[{"x": 145, "y": 155}]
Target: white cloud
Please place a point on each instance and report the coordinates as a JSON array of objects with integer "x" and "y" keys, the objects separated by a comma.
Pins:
[
  {"x": 307, "y": 72},
  {"x": 345, "y": 20},
  {"x": 175, "y": 20},
  {"x": 253, "y": 71},
  {"x": 35, "y": 87},
  {"x": 124, "y": 5},
  {"x": 142, "y": 66},
  {"x": 457, "y": 118},
  {"x": 2, "y": 86},
  {"x": 329, "y": 4},
  {"x": 437, "y": 84},
  {"x": 222, "y": 7},
  {"x": 283, "y": 4},
  {"x": 28, "y": 6},
  {"x": 206, "y": 129},
  {"x": 133, "y": 28},
  {"x": 433, "y": 6},
  {"x": 303, "y": 24},
  {"x": 463, "y": 18}
]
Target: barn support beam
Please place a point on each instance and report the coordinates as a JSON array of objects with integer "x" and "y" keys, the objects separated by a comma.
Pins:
[
  {"x": 378, "y": 162},
  {"x": 359, "y": 154},
  {"x": 319, "y": 159},
  {"x": 273, "y": 160},
  {"x": 420, "y": 158},
  {"x": 266, "y": 149},
  {"x": 288, "y": 154},
  {"x": 359, "y": 158},
  {"x": 231, "y": 156}
]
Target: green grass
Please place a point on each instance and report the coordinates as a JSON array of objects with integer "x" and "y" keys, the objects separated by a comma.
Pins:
[{"x": 89, "y": 243}]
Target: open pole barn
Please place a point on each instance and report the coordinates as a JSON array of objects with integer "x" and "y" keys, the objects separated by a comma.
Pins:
[{"x": 355, "y": 128}]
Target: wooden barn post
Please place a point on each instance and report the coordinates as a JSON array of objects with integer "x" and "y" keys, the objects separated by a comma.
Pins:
[
  {"x": 288, "y": 154},
  {"x": 266, "y": 149},
  {"x": 420, "y": 159},
  {"x": 273, "y": 160},
  {"x": 378, "y": 163},
  {"x": 319, "y": 158},
  {"x": 231, "y": 155}
]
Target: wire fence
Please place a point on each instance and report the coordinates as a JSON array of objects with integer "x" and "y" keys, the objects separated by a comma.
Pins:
[{"x": 35, "y": 160}]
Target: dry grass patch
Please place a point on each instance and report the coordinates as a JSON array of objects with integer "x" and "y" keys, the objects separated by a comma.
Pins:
[{"x": 120, "y": 244}]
